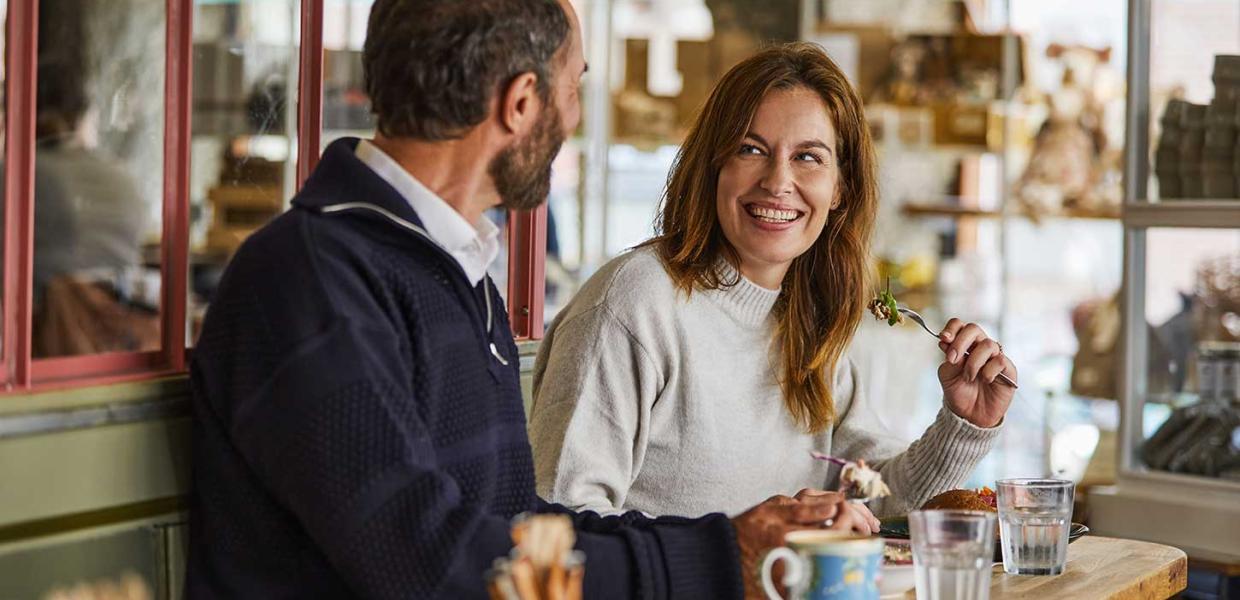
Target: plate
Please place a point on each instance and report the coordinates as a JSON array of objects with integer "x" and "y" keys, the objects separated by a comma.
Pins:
[
  {"x": 895, "y": 581},
  {"x": 896, "y": 528}
]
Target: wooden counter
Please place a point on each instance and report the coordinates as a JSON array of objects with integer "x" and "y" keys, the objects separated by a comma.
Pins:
[{"x": 1103, "y": 568}]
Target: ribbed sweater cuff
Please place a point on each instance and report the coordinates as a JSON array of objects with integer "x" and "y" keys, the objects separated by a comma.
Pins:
[
  {"x": 701, "y": 557},
  {"x": 945, "y": 456}
]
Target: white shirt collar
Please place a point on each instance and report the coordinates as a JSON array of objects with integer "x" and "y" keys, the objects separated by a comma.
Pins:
[{"x": 473, "y": 246}]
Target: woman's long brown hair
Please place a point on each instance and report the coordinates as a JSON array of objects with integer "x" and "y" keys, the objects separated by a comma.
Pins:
[{"x": 825, "y": 290}]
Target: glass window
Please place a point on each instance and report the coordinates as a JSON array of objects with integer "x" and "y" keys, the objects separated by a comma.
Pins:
[
  {"x": 1192, "y": 306},
  {"x": 1193, "y": 99},
  {"x": 973, "y": 199},
  {"x": 4, "y": 8},
  {"x": 244, "y": 143},
  {"x": 98, "y": 177},
  {"x": 346, "y": 107}
]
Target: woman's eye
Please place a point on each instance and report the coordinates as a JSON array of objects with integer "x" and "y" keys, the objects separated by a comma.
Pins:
[
  {"x": 809, "y": 156},
  {"x": 749, "y": 149}
]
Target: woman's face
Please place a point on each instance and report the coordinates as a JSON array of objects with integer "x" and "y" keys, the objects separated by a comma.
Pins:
[{"x": 775, "y": 192}]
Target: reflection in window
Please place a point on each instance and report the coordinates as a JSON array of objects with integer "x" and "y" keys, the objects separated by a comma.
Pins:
[
  {"x": 98, "y": 176},
  {"x": 4, "y": 8},
  {"x": 346, "y": 107},
  {"x": 1193, "y": 305},
  {"x": 243, "y": 161}
]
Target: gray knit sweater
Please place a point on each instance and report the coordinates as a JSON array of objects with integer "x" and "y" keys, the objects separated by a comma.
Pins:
[{"x": 645, "y": 399}]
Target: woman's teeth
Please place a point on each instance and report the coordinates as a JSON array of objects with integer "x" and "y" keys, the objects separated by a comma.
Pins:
[{"x": 772, "y": 215}]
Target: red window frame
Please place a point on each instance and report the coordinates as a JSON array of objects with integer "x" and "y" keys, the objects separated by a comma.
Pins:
[{"x": 21, "y": 372}]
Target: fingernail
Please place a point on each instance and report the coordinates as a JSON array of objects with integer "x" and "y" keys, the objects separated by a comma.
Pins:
[{"x": 951, "y": 356}]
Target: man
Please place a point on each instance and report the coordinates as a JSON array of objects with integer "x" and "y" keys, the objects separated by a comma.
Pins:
[{"x": 358, "y": 422}]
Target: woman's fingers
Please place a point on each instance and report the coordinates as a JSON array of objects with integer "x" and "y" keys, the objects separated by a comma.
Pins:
[
  {"x": 995, "y": 366},
  {"x": 950, "y": 330},
  {"x": 979, "y": 355},
  {"x": 963, "y": 341},
  {"x": 852, "y": 519},
  {"x": 868, "y": 516}
]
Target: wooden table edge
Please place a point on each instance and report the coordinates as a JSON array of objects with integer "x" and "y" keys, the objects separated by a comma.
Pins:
[{"x": 1165, "y": 580}]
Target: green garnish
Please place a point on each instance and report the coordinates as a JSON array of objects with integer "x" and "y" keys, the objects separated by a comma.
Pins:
[{"x": 886, "y": 307}]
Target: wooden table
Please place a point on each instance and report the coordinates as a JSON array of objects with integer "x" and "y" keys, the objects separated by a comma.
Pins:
[{"x": 1100, "y": 567}]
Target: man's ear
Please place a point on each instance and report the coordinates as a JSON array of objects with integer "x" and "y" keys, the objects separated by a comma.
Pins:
[{"x": 519, "y": 103}]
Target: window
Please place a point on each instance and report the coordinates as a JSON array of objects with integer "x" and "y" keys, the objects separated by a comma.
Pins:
[
  {"x": 125, "y": 193},
  {"x": 243, "y": 167}
]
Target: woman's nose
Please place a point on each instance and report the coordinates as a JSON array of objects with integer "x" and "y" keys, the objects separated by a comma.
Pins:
[{"x": 777, "y": 180}]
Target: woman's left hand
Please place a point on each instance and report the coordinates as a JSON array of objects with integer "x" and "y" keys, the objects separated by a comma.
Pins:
[{"x": 970, "y": 387}]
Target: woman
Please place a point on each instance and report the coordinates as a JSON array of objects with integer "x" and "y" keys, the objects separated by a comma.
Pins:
[{"x": 697, "y": 372}]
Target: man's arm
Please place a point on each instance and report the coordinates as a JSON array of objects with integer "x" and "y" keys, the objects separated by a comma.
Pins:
[{"x": 333, "y": 433}]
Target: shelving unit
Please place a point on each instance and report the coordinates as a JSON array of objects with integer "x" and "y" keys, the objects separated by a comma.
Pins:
[
  {"x": 914, "y": 209},
  {"x": 1200, "y": 514},
  {"x": 1143, "y": 214}
]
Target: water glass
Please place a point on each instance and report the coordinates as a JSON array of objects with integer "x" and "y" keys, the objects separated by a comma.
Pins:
[
  {"x": 952, "y": 553},
  {"x": 1034, "y": 518}
]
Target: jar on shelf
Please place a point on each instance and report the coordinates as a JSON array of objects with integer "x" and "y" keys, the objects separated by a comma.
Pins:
[
  {"x": 1226, "y": 77},
  {"x": 1218, "y": 370},
  {"x": 1192, "y": 140},
  {"x": 1221, "y": 153},
  {"x": 1167, "y": 155},
  {"x": 1218, "y": 150},
  {"x": 1235, "y": 161}
]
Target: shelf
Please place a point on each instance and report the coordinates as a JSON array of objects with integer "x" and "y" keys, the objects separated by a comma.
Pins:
[
  {"x": 1183, "y": 213},
  {"x": 953, "y": 211}
]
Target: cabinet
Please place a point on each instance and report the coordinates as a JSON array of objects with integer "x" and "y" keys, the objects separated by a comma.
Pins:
[{"x": 1190, "y": 247}]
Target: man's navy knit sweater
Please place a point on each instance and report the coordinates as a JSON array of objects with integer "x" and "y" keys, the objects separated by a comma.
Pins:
[{"x": 358, "y": 424}]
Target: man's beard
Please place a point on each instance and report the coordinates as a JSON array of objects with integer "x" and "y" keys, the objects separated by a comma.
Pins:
[{"x": 522, "y": 171}]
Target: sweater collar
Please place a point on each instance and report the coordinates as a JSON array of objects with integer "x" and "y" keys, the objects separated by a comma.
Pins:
[
  {"x": 748, "y": 302},
  {"x": 341, "y": 175}
]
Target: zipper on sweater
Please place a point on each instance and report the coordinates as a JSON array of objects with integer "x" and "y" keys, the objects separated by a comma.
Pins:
[{"x": 404, "y": 223}]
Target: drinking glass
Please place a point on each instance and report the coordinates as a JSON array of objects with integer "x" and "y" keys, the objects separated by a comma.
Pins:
[
  {"x": 1034, "y": 518},
  {"x": 952, "y": 553}
]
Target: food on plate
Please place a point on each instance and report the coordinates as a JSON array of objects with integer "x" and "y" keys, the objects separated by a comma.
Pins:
[
  {"x": 981, "y": 499},
  {"x": 885, "y": 307},
  {"x": 897, "y": 552},
  {"x": 867, "y": 482}
]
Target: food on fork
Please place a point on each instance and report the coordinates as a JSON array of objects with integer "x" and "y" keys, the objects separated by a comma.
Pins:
[
  {"x": 981, "y": 499},
  {"x": 884, "y": 306},
  {"x": 867, "y": 482}
]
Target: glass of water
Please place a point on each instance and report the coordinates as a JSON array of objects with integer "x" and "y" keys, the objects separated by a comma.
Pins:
[
  {"x": 952, "y": 553},
  {"x": 1034, "y": 518}
]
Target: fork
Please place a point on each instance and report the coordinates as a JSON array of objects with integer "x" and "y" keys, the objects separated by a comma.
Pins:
[{"x": 912, "y": 314}]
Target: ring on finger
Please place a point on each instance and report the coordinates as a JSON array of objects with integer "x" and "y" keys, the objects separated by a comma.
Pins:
[{"x": 828, "y": 523}]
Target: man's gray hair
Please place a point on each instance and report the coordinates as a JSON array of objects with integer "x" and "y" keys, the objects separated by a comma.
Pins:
[{"x": 433, "y": 66}]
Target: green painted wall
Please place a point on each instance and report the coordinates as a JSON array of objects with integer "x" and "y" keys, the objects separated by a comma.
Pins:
[{"x": 102, "y": 498}]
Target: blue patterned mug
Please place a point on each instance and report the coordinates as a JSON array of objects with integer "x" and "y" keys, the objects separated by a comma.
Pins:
[{"x": 826, "y": 565}]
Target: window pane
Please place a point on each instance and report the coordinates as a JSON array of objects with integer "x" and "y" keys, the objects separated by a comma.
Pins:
[
  {"x": 243, "y": 157},
  {"x": 4, "y": 9},
  {"x": 1193, "y": 99},
  {"x": 1192, "y": 304},
  {"x": 98, "y": 176},
  {"x": 346, "y": 107}
]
